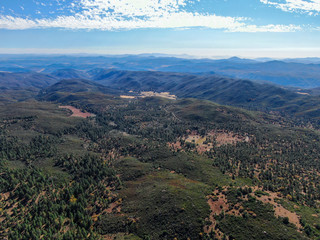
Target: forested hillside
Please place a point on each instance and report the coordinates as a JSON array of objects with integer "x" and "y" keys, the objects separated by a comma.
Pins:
[
  {"x": 300, "y": 103},
  {"x": 96, "y": 153},
  {"x": 291, "y": 102},
  {"x": 153, "y": 168}
]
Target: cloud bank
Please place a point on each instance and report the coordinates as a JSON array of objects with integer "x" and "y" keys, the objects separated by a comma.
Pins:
[
  {"x": 311, "y": 7},
  {"x": 138, "y": 14}
]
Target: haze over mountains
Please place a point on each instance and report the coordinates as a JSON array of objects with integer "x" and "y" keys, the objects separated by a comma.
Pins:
[
  {"x": 236, "y": 92},
  {"x": 184, "y": 78},
  {"x": 303, "y": 73}
]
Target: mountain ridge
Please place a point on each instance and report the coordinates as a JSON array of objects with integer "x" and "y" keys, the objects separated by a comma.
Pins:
[{"x": 295, "y": 73}]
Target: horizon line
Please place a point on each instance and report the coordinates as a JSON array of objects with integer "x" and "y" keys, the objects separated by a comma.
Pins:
[{"x": 222, "y": 53}]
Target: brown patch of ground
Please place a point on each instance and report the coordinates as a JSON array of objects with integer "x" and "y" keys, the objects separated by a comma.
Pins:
[
  {"x": 175, "y": 146},
  {"x": 200, "y": 142},
  {"x": 10, "y": 210},
  {"x": 161, "y": 94},
  {"x": 109, "y": 237},
  {"x": 150, "y": 94},
  {"x": 213, "y": 138},
  {"x": 217, "y": 203},
  {"x": 279, "y": 210},
  {"x": 127, "y": 97},
  {"x": 114, "y": 236},
  {"x": 4, "y": 196},
  {"x": 77, "y": 112},
  {"x": 225, "y": 137},
  {"x": 39, "y": 196},
  {"x": 115, "y": 207},
  {"x": 303, "y": 93}
]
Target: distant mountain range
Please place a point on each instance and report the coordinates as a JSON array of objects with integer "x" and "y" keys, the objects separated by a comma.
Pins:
[
  {"x": 22, "y": 86},
  {"x": 227, "y": 91},
  {"x": 302, "y": 73},
  {"x": 281, "y": 86},
  {"x": 35, "y": 81}
]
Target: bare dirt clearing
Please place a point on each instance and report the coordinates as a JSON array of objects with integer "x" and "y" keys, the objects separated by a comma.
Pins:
[
  {"x": 77, "y": 112},
  {"x": 150, "y": 94},
  {"x": 218, "y": 203},
  {"x": 127, "y": 97},
  {"x": 279, "y": 210},
  {"x": 115, "y": 207},
  {"x": 214, "y": 138},
  {"x": 303, "y": 93},
  {"x": 161, "y": 94}
]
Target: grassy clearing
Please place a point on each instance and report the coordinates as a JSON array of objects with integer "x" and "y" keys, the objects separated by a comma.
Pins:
[
  {"x": 192, "y": 166},
  {"x": 72, "y": 144},
  {"x": 167, "y": 205},
  {"x": 48, "y": 166},
  {"x": 130, "y": 168},
  {"x": 24, "y": 135}
]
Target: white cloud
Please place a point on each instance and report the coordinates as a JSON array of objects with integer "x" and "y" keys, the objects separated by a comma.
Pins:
[
  {"x": 134, "y": 14},
  {"x": 311, "y": 7},
  {"x": 267, "y": 28},
  {"x": 9, "y": 22},
  {"x": 132, "y": 8}
]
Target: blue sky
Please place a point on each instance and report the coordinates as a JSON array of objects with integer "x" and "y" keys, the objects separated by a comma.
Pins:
[{"x": 203, "y": 28}]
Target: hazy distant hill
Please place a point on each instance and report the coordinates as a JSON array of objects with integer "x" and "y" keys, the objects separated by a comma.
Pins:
[
  {"x": 223, "y": 90},
  {"x": 282, "y": 73},
  {"x": 314, "y": 91},
  {"x": 139, "y": 80},
  {"x": 237, "y": 92},
  {"x": 25, "y": 80},
  {"x": 21, "y": 86},
  {"x": 69, "y": 73},
  {"x": 303, "y": 73},
  {"x": 310, "y": 60},
  {"x": 73, "y": 86}
]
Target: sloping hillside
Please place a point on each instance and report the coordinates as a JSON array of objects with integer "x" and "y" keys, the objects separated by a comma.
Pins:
[
  {"x": 69, "y": 74},
  {"x": 236, "y": 92},
  {"x": 25, "y": 80},
  {"x": 22, "y": 86},
  {"x": 73, "y": 89}
]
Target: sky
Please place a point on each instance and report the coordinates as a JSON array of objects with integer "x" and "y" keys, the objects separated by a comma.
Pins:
[{"x": 201, "y": 28}]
